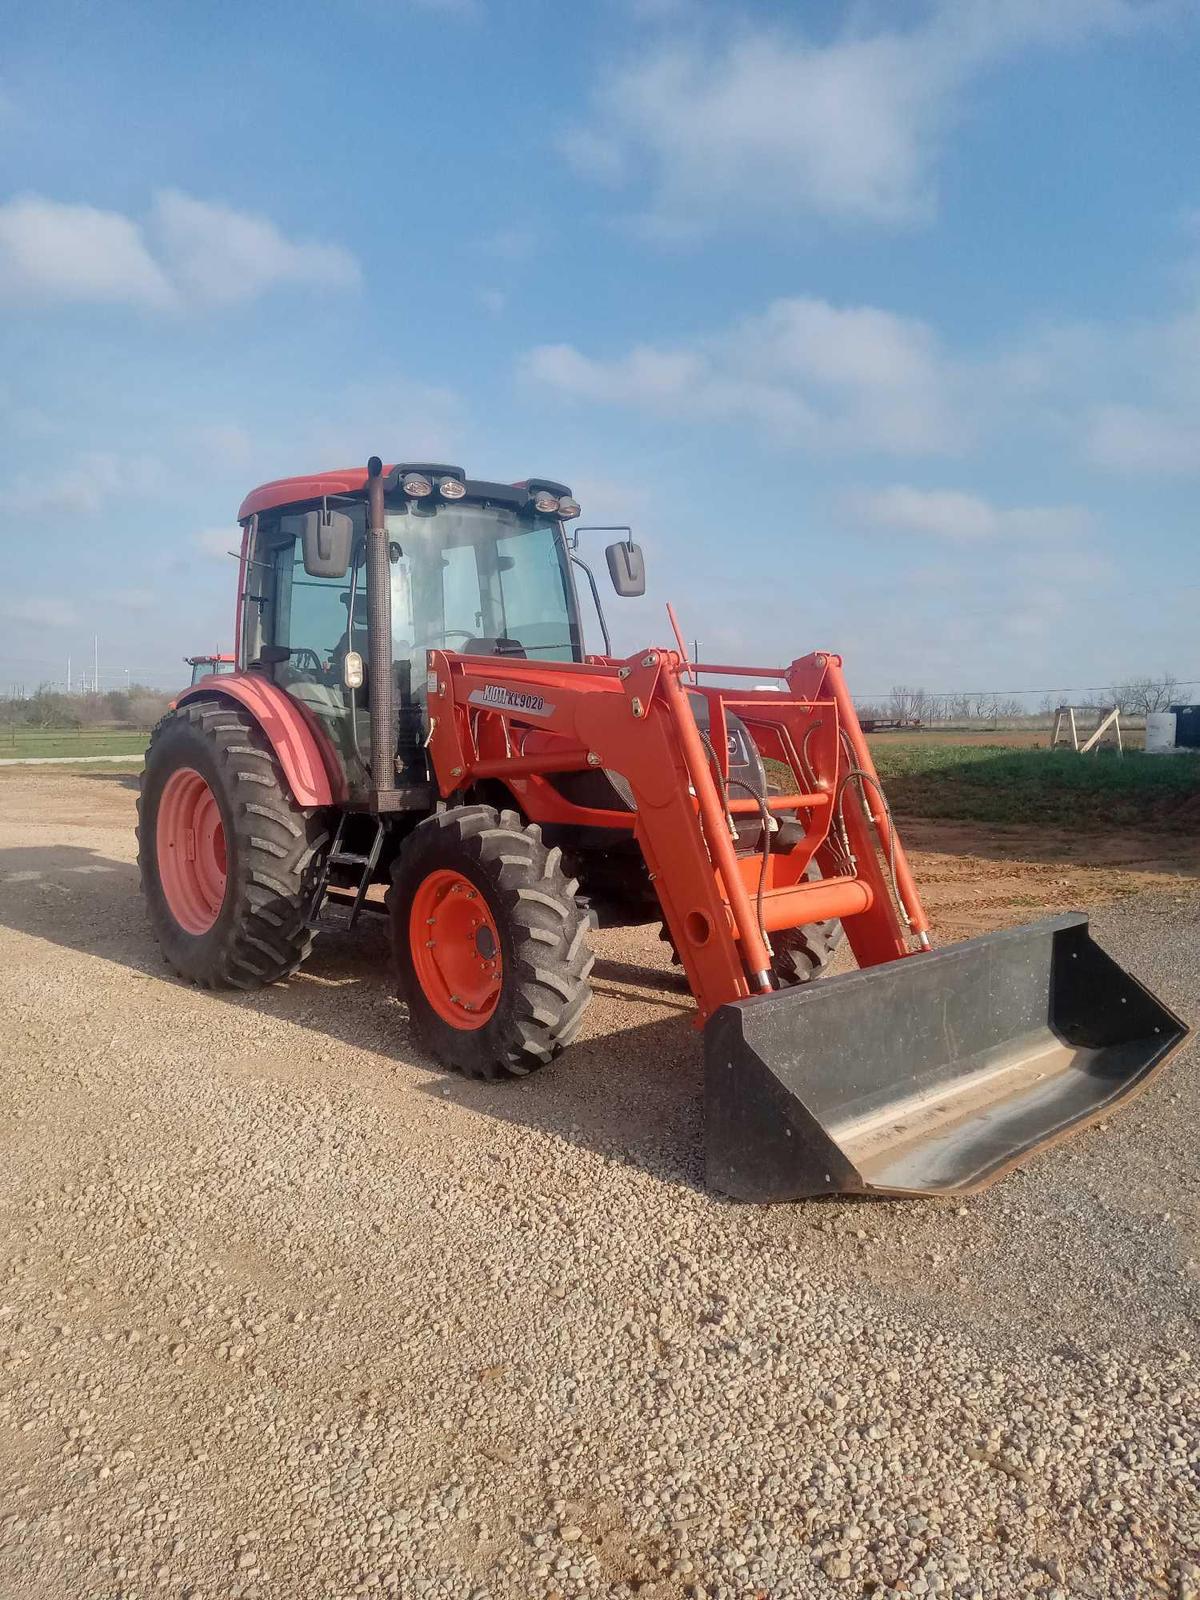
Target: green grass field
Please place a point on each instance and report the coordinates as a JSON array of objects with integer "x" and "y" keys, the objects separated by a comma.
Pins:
[
  {"x": 994, "y": 784},
  {"x": 956, "y": 781},
  {"x": 44, "y": 743}
]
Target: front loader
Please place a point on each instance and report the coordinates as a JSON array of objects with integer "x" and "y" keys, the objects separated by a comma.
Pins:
[{"x": 413, "y": 705}]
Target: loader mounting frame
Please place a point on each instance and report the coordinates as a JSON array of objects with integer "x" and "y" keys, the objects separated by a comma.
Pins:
[{"x": 634, "y": 718}]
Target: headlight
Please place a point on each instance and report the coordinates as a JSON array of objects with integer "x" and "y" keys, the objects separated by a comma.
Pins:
[
  {"x": 568, "y": 508},
  {"x": 452, "y": 488},
  {"x": 546, "y": 502},
  {"x": 416, "y": 485}
]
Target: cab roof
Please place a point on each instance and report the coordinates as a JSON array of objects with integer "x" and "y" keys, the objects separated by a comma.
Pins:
[{"x": 353, "y": 480}]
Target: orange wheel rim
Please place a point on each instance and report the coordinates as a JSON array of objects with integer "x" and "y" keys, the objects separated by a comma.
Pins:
[
  {"x": 455, "y": 949},
  {"x": 190, "y": 840}
]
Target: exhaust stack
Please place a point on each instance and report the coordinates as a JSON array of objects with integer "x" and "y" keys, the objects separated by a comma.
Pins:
[{"x": 379, "y": 637}]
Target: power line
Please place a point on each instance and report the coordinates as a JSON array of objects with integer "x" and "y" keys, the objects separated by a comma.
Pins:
[{"x": 1082, "y": 688}]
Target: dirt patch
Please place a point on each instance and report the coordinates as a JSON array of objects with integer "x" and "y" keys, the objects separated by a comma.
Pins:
[{"x": 974, "y": 879}]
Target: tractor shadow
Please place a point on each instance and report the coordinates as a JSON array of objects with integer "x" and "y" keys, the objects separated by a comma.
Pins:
[
  {"x": 629, "y": 1089},
  {"x": 123, "y": 780}
]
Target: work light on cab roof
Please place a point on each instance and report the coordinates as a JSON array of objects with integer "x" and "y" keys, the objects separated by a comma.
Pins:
[{"x": 415, "y": 704}]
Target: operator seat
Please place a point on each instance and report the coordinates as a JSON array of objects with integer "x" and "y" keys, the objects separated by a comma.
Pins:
[{"x": 493, "y": 647}]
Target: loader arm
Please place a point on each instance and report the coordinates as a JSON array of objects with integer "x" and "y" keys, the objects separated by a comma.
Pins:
[{"x": 634, "y": 718}]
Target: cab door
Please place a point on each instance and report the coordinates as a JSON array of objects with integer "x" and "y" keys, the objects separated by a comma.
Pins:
[{"x": 304, "y": 630}]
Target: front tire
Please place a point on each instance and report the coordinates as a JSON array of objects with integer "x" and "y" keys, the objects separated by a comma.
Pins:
[
  {"x": 226, "y": 856},
  {"x": 490, "y": 945}
]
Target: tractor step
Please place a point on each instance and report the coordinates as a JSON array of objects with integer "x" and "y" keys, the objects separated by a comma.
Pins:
[
  {"x": 320, "y": 902},
  {"x": 340, "y": 902}
]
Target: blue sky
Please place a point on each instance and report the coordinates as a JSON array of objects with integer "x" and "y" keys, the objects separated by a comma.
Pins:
[{"x": 880, "y": 322}]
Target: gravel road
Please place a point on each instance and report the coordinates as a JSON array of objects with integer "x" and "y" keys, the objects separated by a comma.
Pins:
[{"x": 286, "y": 1311}]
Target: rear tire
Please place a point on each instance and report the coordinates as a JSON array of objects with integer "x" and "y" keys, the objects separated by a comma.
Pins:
[
  {"x": 516, "y": 901},
  {"x": 267, "y": 849}
]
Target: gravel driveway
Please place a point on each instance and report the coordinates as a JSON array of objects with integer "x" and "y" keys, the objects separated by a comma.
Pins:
[{"x": 286, "y": 1311}]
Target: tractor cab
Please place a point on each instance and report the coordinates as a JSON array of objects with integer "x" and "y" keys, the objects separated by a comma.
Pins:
[
  {"x": 214, "y": 666},
  {"x": 480, "y": 568}
]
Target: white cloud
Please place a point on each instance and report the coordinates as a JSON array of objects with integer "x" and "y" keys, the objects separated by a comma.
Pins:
[
  {"x": 218, "y": 542},
  {"x": 816, "y": 375},
  {"x": 189, "y": 253},
  {"x": 1134, "y": 439},
  {"x": 807, "y": 374},
  {"x": 1125, "y": 397},
  {"x": 218, "y": 256},
  {"x": 421, "y": 422},
  {"x": 40, "y": 611},
  {"x": 610, "y": 500},
  {"x": 224, "y": 444},
  {"x": 765, "y": 120},
  {"x": 86, "y": 485},
  {"x": 50, "y": 251},
  {"x": 949, "y": 516},
  {"x": 139, "y": 601}
]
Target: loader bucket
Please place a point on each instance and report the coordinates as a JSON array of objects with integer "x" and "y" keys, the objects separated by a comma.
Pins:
[{"x": 929, "y": 1075}]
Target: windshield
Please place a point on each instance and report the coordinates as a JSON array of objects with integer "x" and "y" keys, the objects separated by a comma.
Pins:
[
  {"x": 206, "y": 668},
  {"x": 484, "y": 580}
]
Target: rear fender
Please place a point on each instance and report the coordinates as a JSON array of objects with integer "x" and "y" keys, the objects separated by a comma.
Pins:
[{"x": 309, "y": 762}]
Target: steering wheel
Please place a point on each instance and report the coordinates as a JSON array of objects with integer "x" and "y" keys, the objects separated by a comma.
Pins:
[{"x": 463, "y": 633}]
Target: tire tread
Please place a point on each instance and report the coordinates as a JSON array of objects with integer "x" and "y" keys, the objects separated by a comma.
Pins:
[
  {"x": 267, "y": 937},
  {"x": 533, "y": 901}
]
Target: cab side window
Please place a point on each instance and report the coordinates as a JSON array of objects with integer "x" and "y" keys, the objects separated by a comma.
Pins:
[{"x": 311, "y": 616}]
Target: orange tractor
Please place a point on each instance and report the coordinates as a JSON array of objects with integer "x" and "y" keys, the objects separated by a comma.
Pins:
[
  {"x": 413, "y": 705},
  {"x": 214, "y": 666}
]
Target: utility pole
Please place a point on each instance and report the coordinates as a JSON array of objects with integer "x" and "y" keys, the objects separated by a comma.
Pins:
[
  {"x": 95, "y": 663},
  {"x": 68, "y": 674}
]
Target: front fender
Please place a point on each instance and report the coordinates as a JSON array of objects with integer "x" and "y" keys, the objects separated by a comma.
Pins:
[{"x": 311, "y": 771}]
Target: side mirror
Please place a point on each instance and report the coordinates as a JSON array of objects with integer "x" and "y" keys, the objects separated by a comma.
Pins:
[
  {"x": 627, "y": 569},
  {"x": 327, "y": 538}
]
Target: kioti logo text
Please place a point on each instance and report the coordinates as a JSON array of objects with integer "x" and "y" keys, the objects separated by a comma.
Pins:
[{"x": 494, "y": 694}]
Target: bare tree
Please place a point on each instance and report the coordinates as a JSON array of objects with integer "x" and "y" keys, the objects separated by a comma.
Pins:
[
  {"x": 146, "y": 706},
  {"x": 1140, "y": 696},
  {"x": 908, "y": 705}
]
